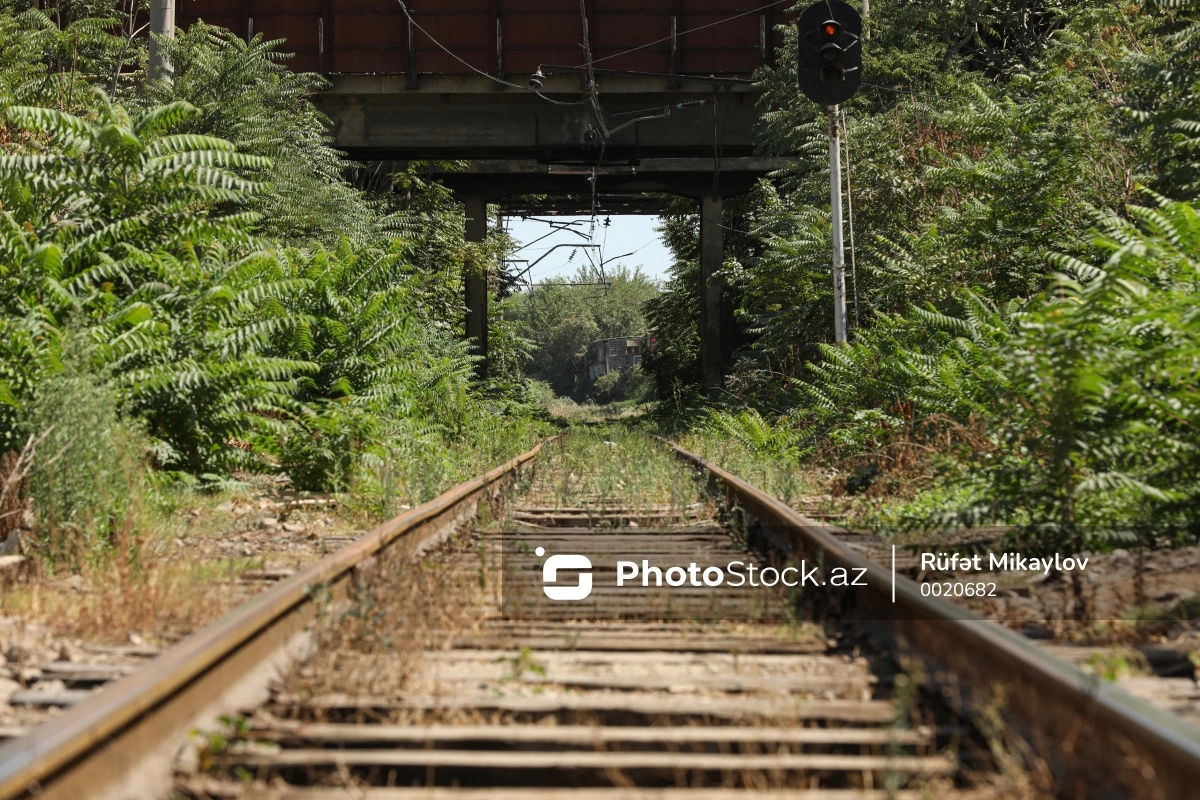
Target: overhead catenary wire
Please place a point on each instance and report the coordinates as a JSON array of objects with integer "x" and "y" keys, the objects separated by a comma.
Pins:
[
  {"x": 690, "y": 30},
  {"x": 593, "y": 99},
  {"x": 476, "y": 70},
  {"x": 547, "y": 270},
  {"x": 597, "y": 112},
  {"x": 555, "y": 228},
  {"x": 552, "y": 69}
]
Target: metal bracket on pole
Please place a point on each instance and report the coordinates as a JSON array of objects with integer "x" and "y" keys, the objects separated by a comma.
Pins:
[{"x": 839, "y": 252}]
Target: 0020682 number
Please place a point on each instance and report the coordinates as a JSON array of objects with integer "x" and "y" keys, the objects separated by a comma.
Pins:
[{"x": 956, "y": 589}]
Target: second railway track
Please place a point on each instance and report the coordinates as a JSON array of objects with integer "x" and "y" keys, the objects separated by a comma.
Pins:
[{"x": 422, "y": 679}]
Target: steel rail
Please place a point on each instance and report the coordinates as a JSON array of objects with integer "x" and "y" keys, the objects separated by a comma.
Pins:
[
  {"x": 1097, "y": 732},
  {"x": 101, "y": 746}
]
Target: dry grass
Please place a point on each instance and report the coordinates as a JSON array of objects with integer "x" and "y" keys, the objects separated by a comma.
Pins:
[
  {"x": 174, "y": 561},
  {"x": 615, "y": 465},
  {"x": 568, "y": 410},
  {"x": 161, "y": 600},
  {"x": 371, "y": 643},
  {"x": 173, "y": 567}
]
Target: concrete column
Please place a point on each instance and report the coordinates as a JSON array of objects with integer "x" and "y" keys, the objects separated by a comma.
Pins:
[
  {"x": 475, "y": 283},
  {"x": 162, "y": 23},
  {"x": 715, "y": 330}
]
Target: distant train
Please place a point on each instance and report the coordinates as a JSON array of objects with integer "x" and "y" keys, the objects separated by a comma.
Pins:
[{"x": 614, "y": 355}]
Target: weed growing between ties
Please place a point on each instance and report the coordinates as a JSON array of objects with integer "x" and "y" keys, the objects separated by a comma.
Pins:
[
  {"x": 370, "y": 643},
  {"x": 385, "y": 643},
  {"x": 408, "y": 468},
  {"x": 768, "y": 455},
  {"x": 614, "y": 465}
]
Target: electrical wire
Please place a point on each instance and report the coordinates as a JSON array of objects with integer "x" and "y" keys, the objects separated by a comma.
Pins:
[
  {"x": 478, "y": 71},
  {"x": 721, "y": 224},
  {"x": 553, "y": 230},
  {"x": 690, "y": 30},
  {"x": 546, "y": 270},
  {"x": 587, "y": 46},
  {"x": 719, "y": 142},
  {"x": 597, "y": 112}
]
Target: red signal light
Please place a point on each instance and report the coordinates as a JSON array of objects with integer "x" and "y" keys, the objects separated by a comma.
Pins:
[{"x": 829, "y": 51}]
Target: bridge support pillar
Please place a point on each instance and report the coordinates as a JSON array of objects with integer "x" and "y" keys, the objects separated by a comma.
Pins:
[
  {"x": 475, "y": 281},
  {"x": 716, "y": 312}
]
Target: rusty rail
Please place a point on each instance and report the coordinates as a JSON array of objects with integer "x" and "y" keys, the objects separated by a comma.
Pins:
[
  {"x": 119, "y": 742},
  {"x": 1100, "y": 736}
]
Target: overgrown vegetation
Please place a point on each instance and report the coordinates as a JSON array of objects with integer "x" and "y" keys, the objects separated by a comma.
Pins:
[
  {"x": 560, "y": 317},
  {"x": 1023, "y": 292},
  {"x": 194, "y": 281},
  {"x": 195, "y": 263}
]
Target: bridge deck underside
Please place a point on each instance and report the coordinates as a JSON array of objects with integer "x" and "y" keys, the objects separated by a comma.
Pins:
[
  {"x": 374, "y": 118},
  {"x": 643, "y": 140}
]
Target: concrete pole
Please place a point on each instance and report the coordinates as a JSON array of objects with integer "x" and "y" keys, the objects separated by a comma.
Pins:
[
  {"x": 839, "y": 252},
  {"x": 475, "y": 284},
  {"x": 712, "y": 291},
  {"x": 162, "y": 23}
]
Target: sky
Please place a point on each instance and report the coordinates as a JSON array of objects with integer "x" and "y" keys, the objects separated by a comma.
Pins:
[{"x": 626, "y": 234}]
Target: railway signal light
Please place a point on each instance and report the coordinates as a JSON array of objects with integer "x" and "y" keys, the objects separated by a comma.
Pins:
[
  {"x": 829, "y": 64},
  {"x": 833, "y": 55},
  {"x": 829, "y": 55}
]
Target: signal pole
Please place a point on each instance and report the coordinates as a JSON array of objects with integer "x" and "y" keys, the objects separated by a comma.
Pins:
[
  {"x": 829, "y": 69},
  {"x": 835, "y": 204},
  {"x": 162, "y": 23}
]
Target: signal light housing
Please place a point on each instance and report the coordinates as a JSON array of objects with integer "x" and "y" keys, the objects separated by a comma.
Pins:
[{"x": 829, "y": 57}]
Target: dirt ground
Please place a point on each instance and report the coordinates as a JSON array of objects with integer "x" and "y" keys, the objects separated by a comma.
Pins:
[
  {"x": 1133, "y": 621},
  {"x": 1132, "y": 618},
  {"x": 64, "y": 635}
]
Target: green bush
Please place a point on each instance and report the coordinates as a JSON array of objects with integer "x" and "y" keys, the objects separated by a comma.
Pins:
[
  {"x": 318, "y": 453},
  {"x": 250, "y": 298},
  {"x": 620, "y": 385},
  {"x": 1086, "y": 395},
  {"x": 604, "y": 390},
  {"x": 559, "y": 320}
]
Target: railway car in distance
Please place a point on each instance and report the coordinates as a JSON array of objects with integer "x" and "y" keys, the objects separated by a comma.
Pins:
[{"x": 618, "y": 354}]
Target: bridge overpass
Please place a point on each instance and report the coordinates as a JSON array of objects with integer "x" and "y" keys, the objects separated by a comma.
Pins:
[{"x": 559, "y": 105}]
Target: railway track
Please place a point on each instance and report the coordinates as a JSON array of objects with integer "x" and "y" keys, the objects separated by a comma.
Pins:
[{"x": 436, "y": 677}]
